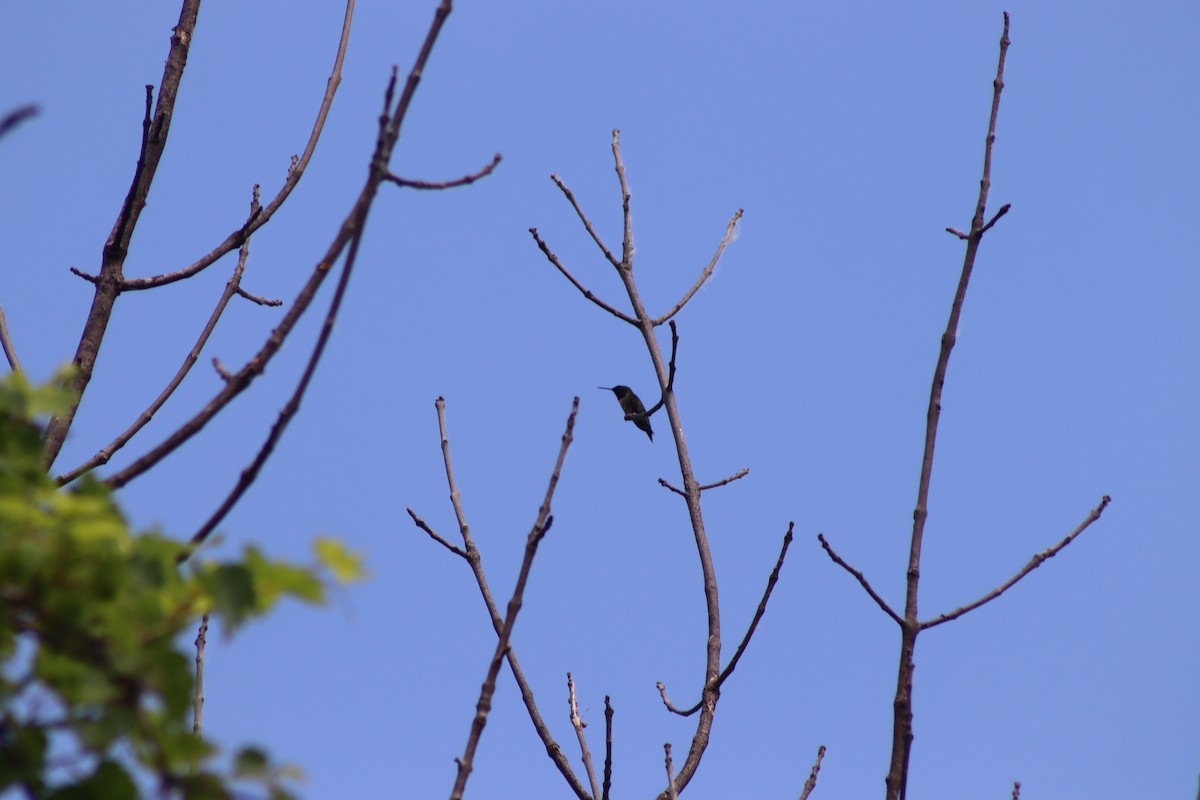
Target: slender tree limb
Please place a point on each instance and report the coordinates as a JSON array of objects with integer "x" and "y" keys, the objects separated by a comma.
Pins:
[
  {"x": 586, "y": 292},
  {"x": 257, "y": 300},
  {"x": 578, "y": 724},
  {"x": 671, "y": 791},
  {"x": 484, "y": 705},
  {"x": 110, "y": 278},
  {"x": 859, "y": 577},
  {"x": 15, "y": 117},
  {"x": 1016, "y": 792},
  {"x": 896, "y": 781},
  {"x": 250, "y": 473},
  {"x": 231, "y": 287},
  {"x": 587, "y": 223},
  {"x": 466, "y": 180},
  {"x": 741, "y": 648},
  {"x": 348, "y": 235},
  {"x": 198, "y": 695},
  {"x": 736, "y": 476},
  {"x": 423, "y": 525},
  {"x": 708, "y": 270},
  {"x": 608, "y": 726},
  {"x": 295, "y": 172},
  {"x": 540, "y": 527},
  {"x": 670, "y": 374},
  {"x": 811, "y": 783},
  {"x": 626, "y": 218},
  {"x": 10, "y": 352},
  {"x": 475, "y": 560},
  {"x": 1033, "y": 564}
]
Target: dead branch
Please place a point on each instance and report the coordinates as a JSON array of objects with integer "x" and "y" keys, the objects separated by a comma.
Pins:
[
  {"x": 861, "y": 580},
  {"x": 231, "y": 287},
  {"x": 578, "y": 724},
  {"x": 295, "y": 172},
  {"x": 108, "y": 281},
  {"x": 811, "y": 783},
  {"x": 758, "y": 615},
  {"x": 540, "y": 527},
  {"x": 471, "y": 553},
  {"x": 466, "y": 180},
  {"x": 1033, "y": 564}
]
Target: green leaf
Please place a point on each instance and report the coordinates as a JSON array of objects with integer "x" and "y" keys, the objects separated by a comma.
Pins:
[{"x": 345, "y": 565}]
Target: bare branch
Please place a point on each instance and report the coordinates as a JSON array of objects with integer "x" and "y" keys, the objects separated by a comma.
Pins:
[
  {"x": 671, "y": 792},
  {"x": 15, "y": 117},
  {"x": 295, "y": 172},
  {"x": 608, "y": 718},
  {"x": 587, "y": 223},
  {"x": 475, "y": 560},
  {"x": 743, "y": 472},
  {"x": 465, "y": 180},
  {"x": 811, "y": 783},
  {"x": 257, "y": 300},
  {"x": 155, "y": 128},
  {"x": 420, "y": 523},
  {"x": 1016, "y": 792},
  {"x": 540, "y": 527},
  {"x": 859, "y": 577},
  {"x": 902, "y": 733},
  {"x": 758, "y": 615},
  {"x": 586, "y": 292},
  {"x": 231, "y": 286},
  {"x": 198, "y": 687},
  {"x": 707, "y": 273},
  {"x": 578, "y": 724},
  {"x": 1033, "y": 564},
  {"x": 670, "y": 372},
  {"x": 10, "y": 352},
  {"x": 627, "y": 238}
]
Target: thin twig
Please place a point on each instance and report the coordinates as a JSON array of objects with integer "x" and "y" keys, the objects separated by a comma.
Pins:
[
  {"x": 608, "y": 728},
  {"x": 708, "y": 270},
  {"x": 626, "y": 217},
  {"x": 231, "y": 287},
  {"x": 465, "y": 180},
  {"x": 578, "y": 724},
  {"x": 670, "y": 372},
  {"x": 258, "y": 300},
  {"x": 198, "y": 696},
  {"x": 540, "y": 527},
  {"x": 735, "y": 476},
  {"x": 671, "y": 792},
  {"x": 587, "y": 223},
  {"x": 758, "y": 615},
  {"x": 586, "y": 292},
  {"x": 434, "y": 534},
  {"x": 859, "y": 577},
  {"x": 295, "y": 173},
  {"x": 10, "y": 352},
  {"x": 475, "y": 560},
  {"x": 15, "y": 117},
  {"x": 1033, "y": 564},
  {"x": 1016, "y": 792},
  {"x": 811, "y": 783}
]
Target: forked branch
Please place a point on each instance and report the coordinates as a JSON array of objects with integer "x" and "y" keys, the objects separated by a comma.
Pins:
[{"x": 758, "y": 615}]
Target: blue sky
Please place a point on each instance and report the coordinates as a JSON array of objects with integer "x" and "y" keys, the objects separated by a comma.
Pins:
[{"x": 852, "y": 135}]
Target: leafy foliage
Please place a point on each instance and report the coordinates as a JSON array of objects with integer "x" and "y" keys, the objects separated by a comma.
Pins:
[{"x": 95, "y": 620}]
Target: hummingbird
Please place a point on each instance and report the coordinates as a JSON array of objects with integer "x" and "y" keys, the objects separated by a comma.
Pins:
[{"x": 631, "y": 404}]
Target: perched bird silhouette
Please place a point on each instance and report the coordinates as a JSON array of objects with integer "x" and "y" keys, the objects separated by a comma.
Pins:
[{"x": 631, "y": 404}]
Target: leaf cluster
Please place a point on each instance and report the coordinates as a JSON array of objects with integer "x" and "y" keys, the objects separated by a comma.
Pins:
[{"x": 96, "y": 682}]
